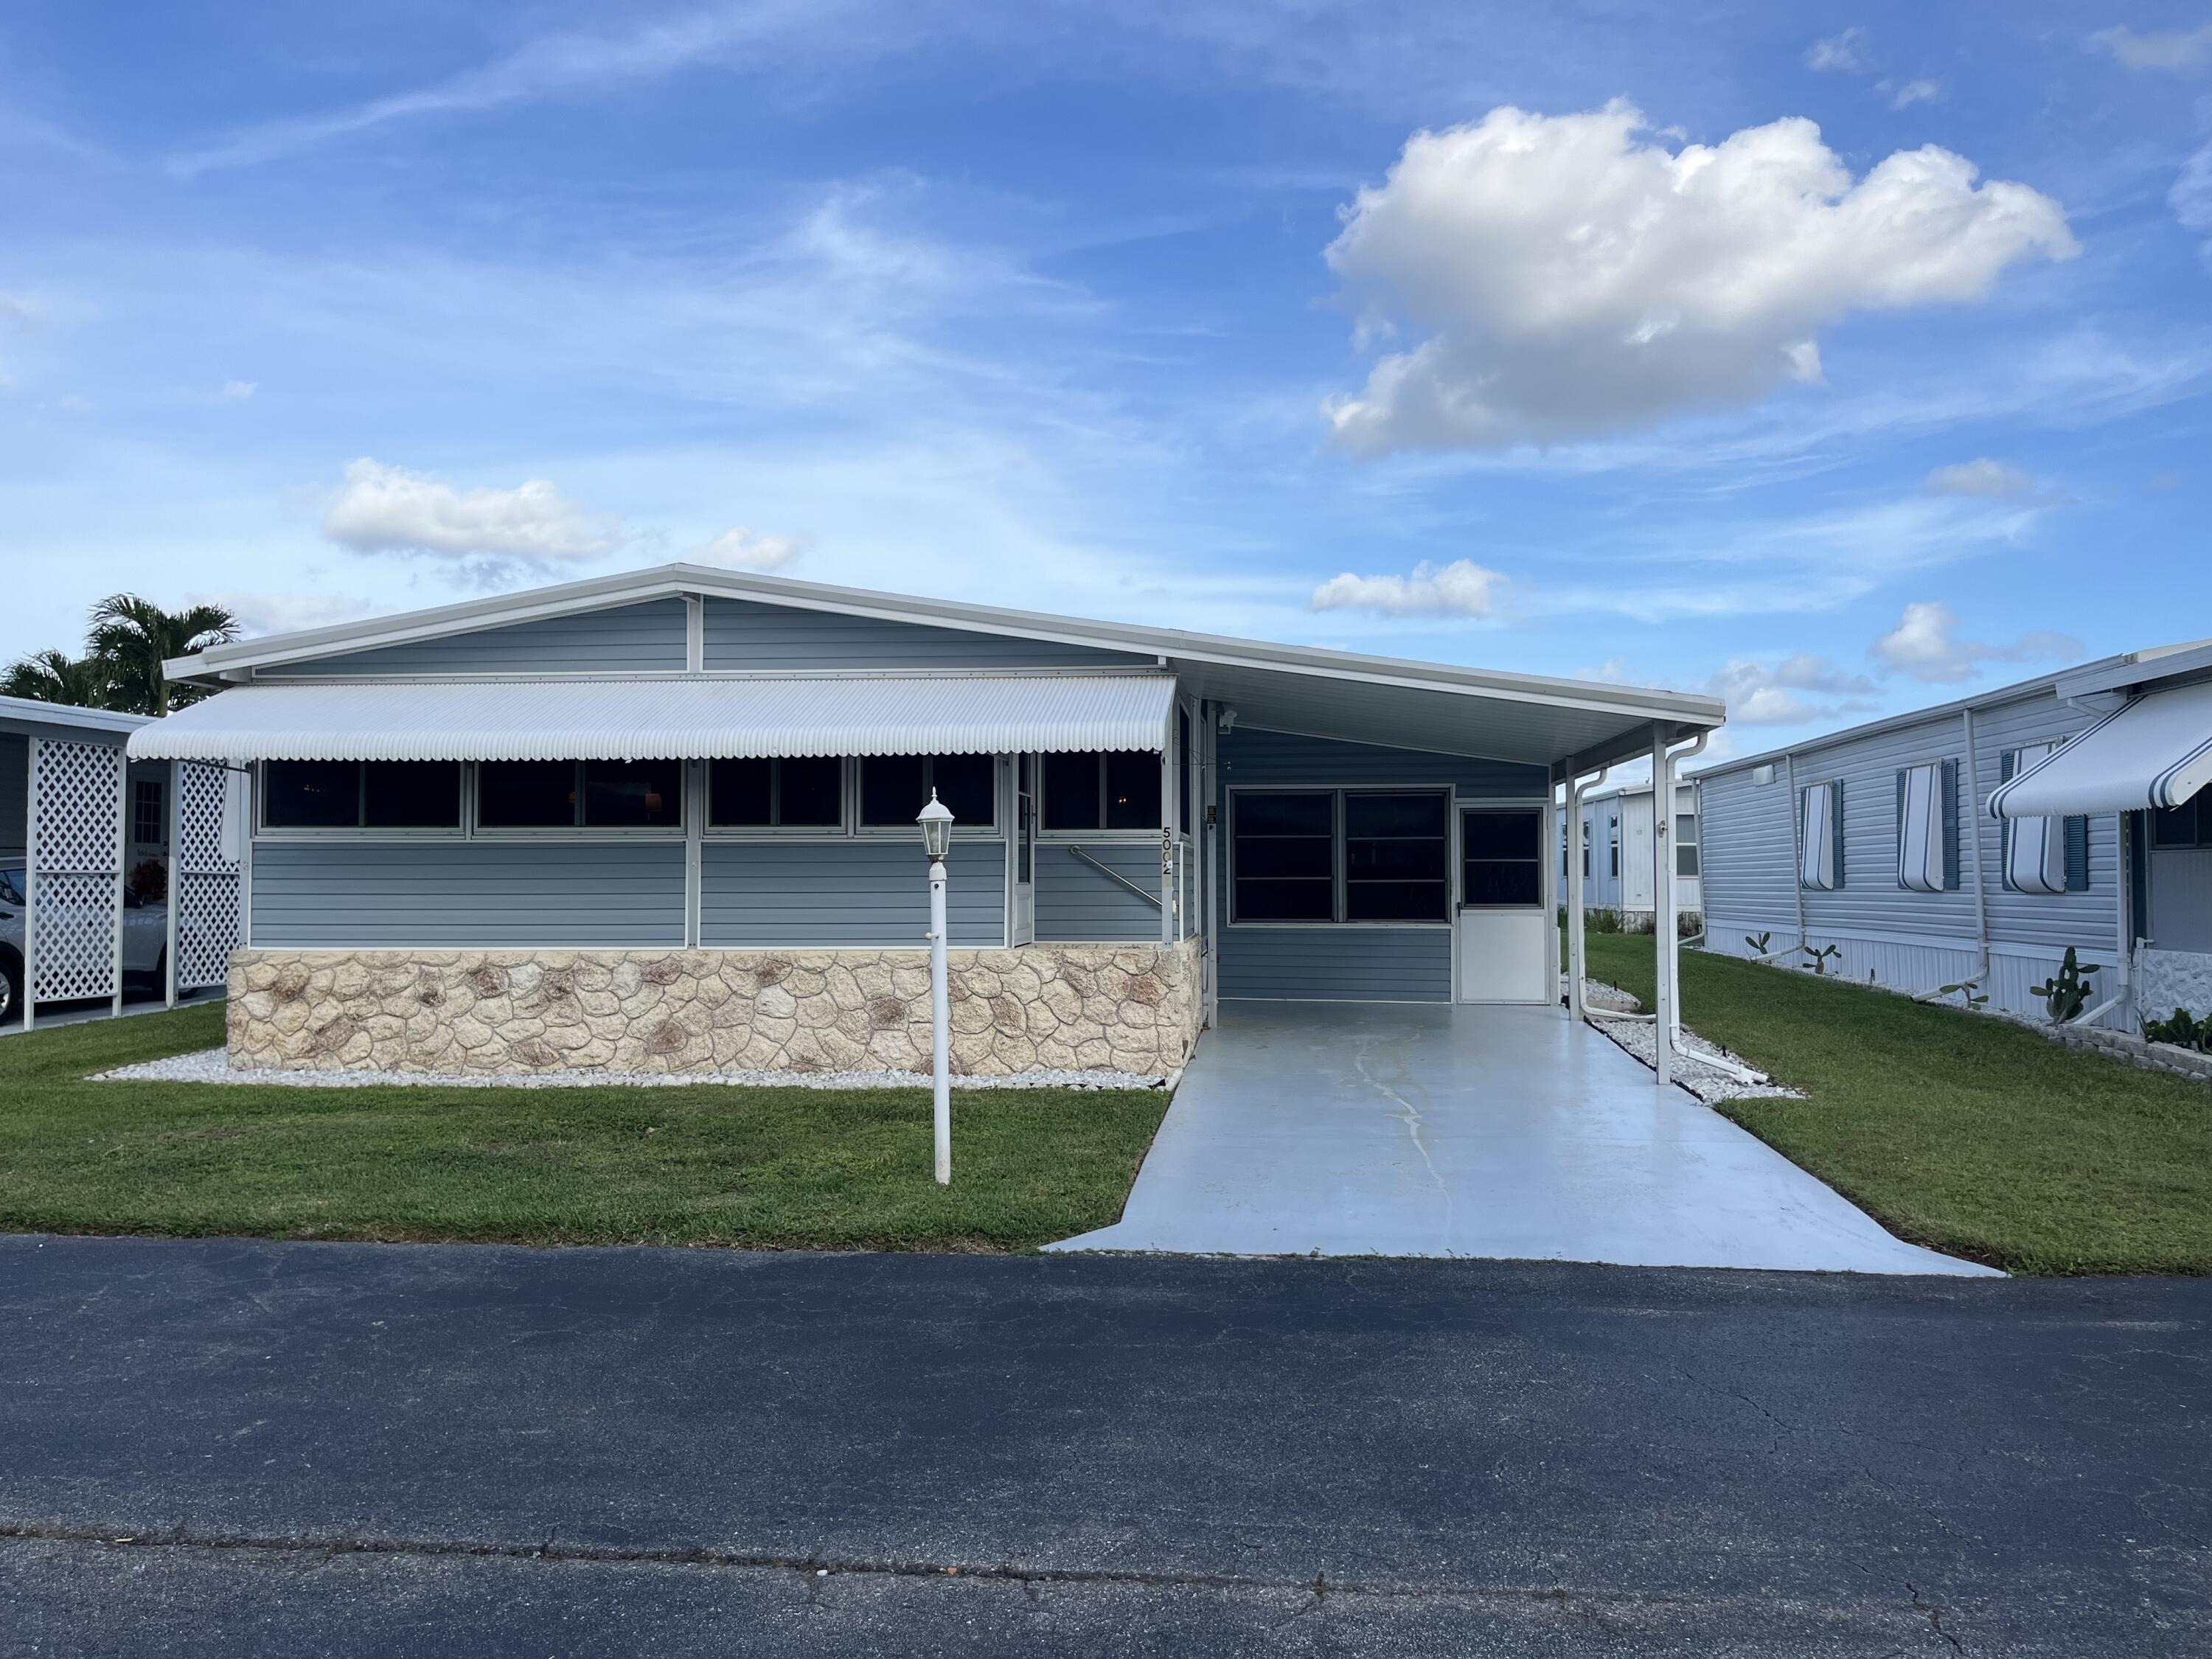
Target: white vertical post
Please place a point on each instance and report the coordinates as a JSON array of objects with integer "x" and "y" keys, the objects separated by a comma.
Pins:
[
  {"x": 1577, "y": 945},
  {"x": 1662, "y": 905},
  {"x": 1206, "y": 801},
  {"x": 1167, "y": 831},
  {"x": 31, "y": 887},
  {"x": 122, "y": 868},
  {"x": 694, "y": 830},
  {"x": 940, "y": 1025},
  {"x": 176, "y": 900}
]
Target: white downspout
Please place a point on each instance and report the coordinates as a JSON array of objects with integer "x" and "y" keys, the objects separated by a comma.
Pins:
[
  {"x": 1663, "y": 916},
  {"x": 1578, "y": 946}
]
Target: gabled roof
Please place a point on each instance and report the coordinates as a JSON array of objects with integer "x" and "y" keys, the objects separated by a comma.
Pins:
[{"x": 1288, "y": 687}]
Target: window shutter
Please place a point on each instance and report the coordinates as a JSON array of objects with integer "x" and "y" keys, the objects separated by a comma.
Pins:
[
  {"x": 2077, "y": 855},
  {"x": 1904, "y": 829},
  {"x": 1949, "y": 781}
]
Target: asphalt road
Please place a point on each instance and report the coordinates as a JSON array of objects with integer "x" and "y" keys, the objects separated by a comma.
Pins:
[{"x": 228, "y": 1448}]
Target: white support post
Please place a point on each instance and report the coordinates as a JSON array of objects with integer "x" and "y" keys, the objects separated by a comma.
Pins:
[
  {"x": 122, "y": 869},
  {"x": 1204, "y": 802},
  {"x": 176, "y": 897},
  {"x": 694, "y": 829},
  {"x": 31, "y": 887},
  {"x": 1662, "y": 905},
  {"x": 941, "y": 1027},
  {"x": 1168, "y": 832},
  {"x": 1577, "y": 941}
]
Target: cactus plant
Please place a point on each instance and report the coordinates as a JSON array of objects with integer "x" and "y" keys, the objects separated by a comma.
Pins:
[
  {"x": 2066, "y": 993},
  {"x": 1822, "y": 956},
  {"x": 2182, "y": 1029},
  {"x": 1967, "y": 996},
  {"x": 1758, "y": 942}
]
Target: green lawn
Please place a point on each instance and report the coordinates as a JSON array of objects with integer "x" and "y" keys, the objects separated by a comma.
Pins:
[
  {"x": 765, "y": 1168},
  {"x": 1959, "y": 1131}
]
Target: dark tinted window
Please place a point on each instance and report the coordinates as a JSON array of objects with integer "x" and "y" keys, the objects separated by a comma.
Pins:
[
  {"x": 525, "y": 794},
  {"x": 741, "y": 792},
  {"x": 810, "y": 792},
  {"x": 2178, "y": 826},
  {"x": 1184, "y": 773},
  {"x": 969, "y": 784},
  {"x": 311, "y": 794},
  {"x": 894, "y": 787},
  {"x": 1072, "y": 785},
  {"x": 411, "y": 795},
  {"x": 1499, "y": 862},
  {"x": 633, "y": 794},
  {"x": 1285, "y": 857},
  {"x": 1396, "y": 868},
  {"x": 1133, "y": 791}
]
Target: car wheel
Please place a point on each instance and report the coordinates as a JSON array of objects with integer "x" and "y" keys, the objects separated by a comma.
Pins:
[{"x": 10, "y": 989}]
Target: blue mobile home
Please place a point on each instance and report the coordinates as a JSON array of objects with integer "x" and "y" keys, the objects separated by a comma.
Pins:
[
  {"x": 711, "y": 779},
  {"x": 1978, "y": 839}
]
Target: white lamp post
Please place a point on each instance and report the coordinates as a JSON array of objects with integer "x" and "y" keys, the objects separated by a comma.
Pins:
[{"x": 936, "y": 821}]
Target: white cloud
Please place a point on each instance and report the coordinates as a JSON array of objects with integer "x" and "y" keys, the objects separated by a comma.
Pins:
[
  {"x": 2166, "y": 49},
  {"x": 1758, "y": 695},
  {"x": 740, "y": 548},
  {"x": 237, "y": 392},
  {"x": 282, "y": 613},
  {"x": 1981, "y": 476},
  {"x": 1461, "y": 588},
  {"x": 1912, "y": 92},
  {"x": 386, "y": 510},
  {"x": 1839, "y": 52},
  {"x": 1925, "y": 646},
  {"x": 1574, "y": 276}
]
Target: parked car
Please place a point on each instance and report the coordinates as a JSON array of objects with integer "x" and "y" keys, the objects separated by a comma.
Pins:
[{"x": 145, "y": 938}]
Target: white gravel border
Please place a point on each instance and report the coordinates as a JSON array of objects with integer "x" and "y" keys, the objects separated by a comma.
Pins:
[
  {"x": 1707, "y": 1082},
  {"x": 213, "y": 1066}
]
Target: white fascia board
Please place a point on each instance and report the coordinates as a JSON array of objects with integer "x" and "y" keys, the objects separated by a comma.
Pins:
[
  {"x": 2141, "y": 668},
  {"x": 212, "y": 664},
  {"x": 30, "y": 711}
]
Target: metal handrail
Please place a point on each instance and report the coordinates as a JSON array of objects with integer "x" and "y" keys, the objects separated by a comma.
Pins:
[{"x": 1112, "y": 874}]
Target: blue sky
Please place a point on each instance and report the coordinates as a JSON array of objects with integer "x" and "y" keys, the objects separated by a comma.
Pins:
[{"x": 1836, "y": 358}]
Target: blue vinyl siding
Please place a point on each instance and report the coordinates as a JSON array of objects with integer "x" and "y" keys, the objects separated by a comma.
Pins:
[
  {"x": 626, "y": 639},
  {"x": 861, "y": 891},
  {"x": 1338, "y": 964},
  {"x": 746, "y": 633},
  {"x": 1075, "y": 902},
  {"x": 1250, "y": 756},
  {"x": 343, "y": 892}
]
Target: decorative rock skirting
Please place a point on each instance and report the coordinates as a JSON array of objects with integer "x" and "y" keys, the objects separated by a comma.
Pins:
[
  {"x": 2127, "y": 1046},
  {"x": 1130, "y": 1008}
]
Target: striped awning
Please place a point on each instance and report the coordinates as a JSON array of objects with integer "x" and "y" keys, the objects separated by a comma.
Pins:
[
  {"x": 688, "y": 718},
  {"x": 2153, "y": 750}
]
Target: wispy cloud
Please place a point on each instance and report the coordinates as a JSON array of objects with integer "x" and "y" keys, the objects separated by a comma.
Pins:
[
  {"x": 2160, "y": 49},
  {"x": 1925, "y": 646},
  {"x": 1461, "y": 588},
  {"x": 743, "y": 549},
  {"x": 1981, "y": 476},
  {"x": 1798, "y": 689},
  {"x": 1843, "y": 53},
  {"x": 570, "y": 62}
]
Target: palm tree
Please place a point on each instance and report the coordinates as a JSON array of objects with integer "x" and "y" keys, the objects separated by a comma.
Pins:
[
  {"x": 135, "y": 636},
  {"x": 55, "y": 677}
]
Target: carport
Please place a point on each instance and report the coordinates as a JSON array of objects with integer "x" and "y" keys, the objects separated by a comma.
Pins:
[
  {"x": 1471, "y": 1130},
  {"x": 77, "y": 819}
]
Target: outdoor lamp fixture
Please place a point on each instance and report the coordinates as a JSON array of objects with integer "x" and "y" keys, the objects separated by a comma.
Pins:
[{"x": 936, "y": 821}]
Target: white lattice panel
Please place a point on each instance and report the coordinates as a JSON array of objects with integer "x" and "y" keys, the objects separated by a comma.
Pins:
[
  {"x": 76, "y": 869},
  {"x": 208, "y": 884}
]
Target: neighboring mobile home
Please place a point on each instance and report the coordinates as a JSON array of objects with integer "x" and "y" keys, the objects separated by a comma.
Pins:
[
  {"x": 1975, "y": 841},
  {"x": 665, "y": 820},
  {"x": 1617, "y": 853}
]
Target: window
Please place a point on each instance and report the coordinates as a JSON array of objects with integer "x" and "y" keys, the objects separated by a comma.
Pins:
[
  {"x": 360, "y": 795},
  {"x": 1118, "y": 791},
  {"x": 1395, "y": 862},
  {"x": 1685, "y": 843},
  {"x": 146, "y": 826},
  {"x": 1285, "y": 851},
  {"x": 2188, "y": 824},
  {"x": 1820, "y": 836},
  {"x": 1586, "y": 848},
  {"x": 788, "y": 793},
  {"x": 598, "y": 794},
  {"x": 1612, "y": 847},
  {"x": 894, "y": 787},
  {"x": 1327, "y": 855},
  {"x": 2043, "y": 855},
  {"x": 1497, "y": 860},
  {"x": 1186, "y": 768},
  {"x": 1928, "y": 827}
]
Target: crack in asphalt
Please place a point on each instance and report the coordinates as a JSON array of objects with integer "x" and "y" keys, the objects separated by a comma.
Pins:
[{"x": 1320, "y": 1588}]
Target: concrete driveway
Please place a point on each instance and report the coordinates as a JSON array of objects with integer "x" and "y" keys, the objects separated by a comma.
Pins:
[{"x": 1398, "y": 1129}]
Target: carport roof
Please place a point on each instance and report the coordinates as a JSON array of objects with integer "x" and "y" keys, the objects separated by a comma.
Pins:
[
  {"x": 27, "y": 716},
  {"x": 1343, "y": 695}
]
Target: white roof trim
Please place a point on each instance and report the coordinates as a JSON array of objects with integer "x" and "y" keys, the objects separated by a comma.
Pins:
[
  {"x": 104, "y": 721},
  {"x": 1685, "y": 708},
  {"x": 2153, "y": 751},
  {"x": 663, "y": 719}
]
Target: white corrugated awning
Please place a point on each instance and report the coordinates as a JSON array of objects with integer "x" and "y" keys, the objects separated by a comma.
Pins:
[
  {"x": 691, "y": 718},
  {"x": 2154, "y": 750}
]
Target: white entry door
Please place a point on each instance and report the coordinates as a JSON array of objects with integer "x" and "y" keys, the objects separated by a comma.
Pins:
[
  {"x": 1025, "y": 916},
  {"x": 1504, "y": 919}
]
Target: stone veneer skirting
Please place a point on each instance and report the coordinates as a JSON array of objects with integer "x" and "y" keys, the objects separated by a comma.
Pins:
[{"x": 1089, "y": 1008}]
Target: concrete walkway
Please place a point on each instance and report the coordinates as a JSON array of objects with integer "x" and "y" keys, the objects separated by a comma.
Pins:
[{"x": 1397, "y": 1129}]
